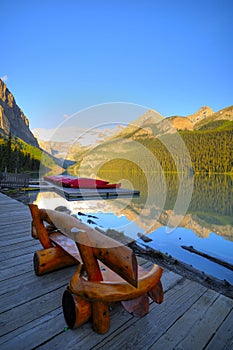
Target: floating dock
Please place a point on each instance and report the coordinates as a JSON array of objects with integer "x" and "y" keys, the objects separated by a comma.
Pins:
[{"x": 75, "y": 194}]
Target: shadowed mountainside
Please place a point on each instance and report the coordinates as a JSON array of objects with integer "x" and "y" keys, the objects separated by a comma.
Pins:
[{"x": 12, "y": 118}]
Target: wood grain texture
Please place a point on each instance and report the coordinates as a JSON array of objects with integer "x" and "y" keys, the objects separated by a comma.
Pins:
[{"x": 112, "y": 292}]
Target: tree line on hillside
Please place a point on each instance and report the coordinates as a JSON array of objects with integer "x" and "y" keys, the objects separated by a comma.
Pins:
[
  {"x": 210, "y": 152},
  {"x": 13, "y": 158}
]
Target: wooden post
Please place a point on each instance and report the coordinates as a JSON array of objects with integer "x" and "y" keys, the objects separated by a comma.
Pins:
[
  {"x": 101, "y": 317},
  {"x": 40, "y": 228},
  {"x": 90, "y": 262},
  {"x": 100, "y": 309}
]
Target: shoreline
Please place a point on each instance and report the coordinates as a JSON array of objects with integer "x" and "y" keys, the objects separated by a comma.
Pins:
[{"x": 183, "y": 269}]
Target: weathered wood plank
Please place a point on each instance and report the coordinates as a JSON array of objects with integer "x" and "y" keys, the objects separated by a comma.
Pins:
[
  {"x": 11, "y": 284},
  {"x": 9, "y": 234},
  {"x": 16, "y": 270},
  {"x": 4, "y": 200},
  {"x": 10, "y": 223},
  {"x": 135, "y": 333},
  {"x": 30, "y": 311},
  {"x": 78, "y": 338},
  {"x": 34, "y": 333},
  {"x": 14, "y": 282},
  {"x": 5, "y": 207},
  {"x": 13, "y": 241},
  {"x": 6, "y": 220},
  {"x": 141, "y": 333},
  {"x": 208, "y": 321},
  {"x": 11, "y": 207},
  {"x": 16, "y": 262},
  {"x": 21, "y": 245},
  {"x": 13, "y": 253},
  {"x": 27, "y": 291},
  {"x": 6, "y": 203},
  {"x": 207, "y": 313},
  {"x": 21, "y": 215},
  {"x": 170, "y": 279},
  {"x": 223, "y": 338}
]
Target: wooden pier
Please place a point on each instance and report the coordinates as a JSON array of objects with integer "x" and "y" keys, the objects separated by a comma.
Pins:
[
  {"x": 191, "y": 316},
  {"x": 76, "y": 194}
]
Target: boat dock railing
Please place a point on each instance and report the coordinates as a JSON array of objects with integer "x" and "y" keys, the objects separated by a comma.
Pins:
[{"x": 13, "y": 180}]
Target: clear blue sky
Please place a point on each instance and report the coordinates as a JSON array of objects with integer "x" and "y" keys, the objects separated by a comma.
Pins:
[{"x": 174, "y": 56}]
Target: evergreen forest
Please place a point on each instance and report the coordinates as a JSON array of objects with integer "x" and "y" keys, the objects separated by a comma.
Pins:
[
  {"x": 20, "y": 157},
  {"x": 210, "y": 152}
]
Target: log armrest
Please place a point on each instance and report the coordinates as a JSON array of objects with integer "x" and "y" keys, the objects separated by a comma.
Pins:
[{"x": 108, "y": 291}]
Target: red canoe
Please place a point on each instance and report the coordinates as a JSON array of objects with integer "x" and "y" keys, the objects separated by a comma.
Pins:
[{"x": 80, "y": 182}]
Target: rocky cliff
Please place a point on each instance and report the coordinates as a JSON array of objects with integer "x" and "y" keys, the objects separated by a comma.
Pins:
[
  {"x": 12, "y": 118},
  {"x": 188, "y": 122}
]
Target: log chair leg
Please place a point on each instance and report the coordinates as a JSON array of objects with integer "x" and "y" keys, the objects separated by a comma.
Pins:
[
  {"x": 51, "y": 259},
  {"x": 156, "y": 293},
  {"x": 76, "y": 310},
  {"x": 138, "y": 307},
  {"x": 39, "y": 231},
  {"x": 101, "y": 317}
]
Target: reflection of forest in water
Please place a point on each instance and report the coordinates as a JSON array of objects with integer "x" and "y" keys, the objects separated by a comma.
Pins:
[
  {"x": 210, "y": 208},
  {"x": 211, "y": 194}
]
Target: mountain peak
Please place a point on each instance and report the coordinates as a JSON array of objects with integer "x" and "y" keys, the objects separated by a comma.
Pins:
[
  {"x": 12, "y": 118},
  {"x": 202, "y": 113},
  {"x": 150, "y": 116},
  {"x": 188, "y": 122}
]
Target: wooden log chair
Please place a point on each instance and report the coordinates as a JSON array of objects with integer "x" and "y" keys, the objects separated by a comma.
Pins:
[{"x": 107, "y": 271}]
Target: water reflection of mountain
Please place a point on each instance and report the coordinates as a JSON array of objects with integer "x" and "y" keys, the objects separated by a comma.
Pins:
[{"x": 210, "y": 208}]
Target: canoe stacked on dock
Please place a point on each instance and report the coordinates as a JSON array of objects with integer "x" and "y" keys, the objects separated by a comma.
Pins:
[{"x": 80, "y": 182}]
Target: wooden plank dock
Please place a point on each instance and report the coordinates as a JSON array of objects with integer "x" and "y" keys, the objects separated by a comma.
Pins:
[
  {"x": 191, "y": 316},
  {"x": 75, "y": 194}
]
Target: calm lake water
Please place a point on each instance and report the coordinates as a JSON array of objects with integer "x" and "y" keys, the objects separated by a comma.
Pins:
[{"x": 173, "y": 211}]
